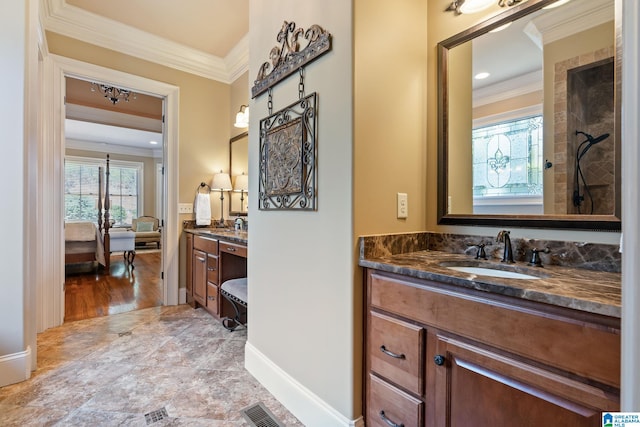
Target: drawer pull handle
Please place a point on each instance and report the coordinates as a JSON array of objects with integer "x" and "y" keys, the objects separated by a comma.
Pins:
[
  {"x": 390, "y": 353},
  {"x": 211, "y": 298},
  {"x": 211, "y": 269},
  {"x": 388, "y": 421},
  {"x": 230, "y": 249},
  {"x": 438, "y": 359}
]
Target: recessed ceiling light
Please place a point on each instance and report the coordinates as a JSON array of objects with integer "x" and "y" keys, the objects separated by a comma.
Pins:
[
  {"x": 481, "y": 76},
  {"x": 153, "y": 142},
  {"x": 500, "y": 28}
]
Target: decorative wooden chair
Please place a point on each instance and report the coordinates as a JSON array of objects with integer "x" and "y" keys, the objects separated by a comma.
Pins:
[{"x": 147, "y": 230}]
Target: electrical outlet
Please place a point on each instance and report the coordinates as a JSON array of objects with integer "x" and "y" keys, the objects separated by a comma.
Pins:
[
  {"x": 185, "y": 208},
  {"x": 403, "y": 205}
]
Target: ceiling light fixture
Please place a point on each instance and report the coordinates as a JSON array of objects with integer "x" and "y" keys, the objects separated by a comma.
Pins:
[
  {"x": 481, "y": 76},
  {"x": 242, "y": 117},
  {"x": 112, "y": 93},
  {"x": 556, "y": 4},
  {"x": 473, "y": 6}
]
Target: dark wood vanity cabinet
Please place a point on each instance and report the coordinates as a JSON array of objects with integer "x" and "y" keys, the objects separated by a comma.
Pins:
[
  {"x": 204, "y": 274},
  {"x": 210, "y": 262},
  {"x": 440, "y": 355}
]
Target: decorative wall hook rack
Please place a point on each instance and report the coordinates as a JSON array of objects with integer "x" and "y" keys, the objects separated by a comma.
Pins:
[{"x": 287, "y": 58}]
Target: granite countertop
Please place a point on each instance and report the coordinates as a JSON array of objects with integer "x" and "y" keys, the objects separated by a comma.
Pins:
[
  {"x": 576, "y": 288},
  {"x": 226, "y": 234}
]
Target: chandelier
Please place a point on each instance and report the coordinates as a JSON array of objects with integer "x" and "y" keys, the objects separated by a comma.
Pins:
[{"x": 113, "y": 94}]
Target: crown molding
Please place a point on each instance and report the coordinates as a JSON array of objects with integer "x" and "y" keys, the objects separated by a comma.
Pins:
[
  {"x": 567, "y": 21},
  {"x": 508, "y": 89},
  {"x": 71, "y": 21},
  {"x": 101, "y": 147},
  {"x": 237, "y": 59}
]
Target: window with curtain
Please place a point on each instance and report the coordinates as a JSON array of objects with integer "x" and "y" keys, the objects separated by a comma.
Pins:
[
  {"x": 81, "y": 189},
  {"x": 507, "y": 158}
]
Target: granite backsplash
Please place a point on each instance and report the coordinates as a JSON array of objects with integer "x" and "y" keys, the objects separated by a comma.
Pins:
[{"x": 592, "y": 256}]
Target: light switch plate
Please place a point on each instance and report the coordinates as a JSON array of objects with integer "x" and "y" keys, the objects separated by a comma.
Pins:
[
  {"x": 185, "y": 208},
  {"x": 403, "y": 205}
]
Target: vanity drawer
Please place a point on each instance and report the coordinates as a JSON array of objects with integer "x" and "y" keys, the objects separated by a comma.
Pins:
[
  {"x": 396, "y": 350},
  {"x": 388, "y": 405},
  {"x": 209, "y": 246},
  {"x": 212, "y": 298},
  {"x": 232, "y": 248},
  {"x": 212, "y": 269}
]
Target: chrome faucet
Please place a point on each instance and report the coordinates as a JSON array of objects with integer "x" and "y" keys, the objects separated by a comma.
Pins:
[{"x": 503, "y": 236}]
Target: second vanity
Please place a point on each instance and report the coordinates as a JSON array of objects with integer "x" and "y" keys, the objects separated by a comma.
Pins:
[
  {"x": 214, "y": 256},
  {"x": 451, "y": 348}
]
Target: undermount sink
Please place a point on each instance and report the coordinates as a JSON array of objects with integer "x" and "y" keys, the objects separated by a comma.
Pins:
[{"x": 502, "y": 271}]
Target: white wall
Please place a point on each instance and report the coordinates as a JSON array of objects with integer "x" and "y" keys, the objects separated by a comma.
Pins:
[
  {"x": 301, "y": 264},
  {"x": 14, "y": 360},
  {"x": 630, "y": 399}
]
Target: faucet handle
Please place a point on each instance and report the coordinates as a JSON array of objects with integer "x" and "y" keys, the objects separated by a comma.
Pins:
[
  {"x": 481, "y": 254},
  {"x": 535, "y": 258}
]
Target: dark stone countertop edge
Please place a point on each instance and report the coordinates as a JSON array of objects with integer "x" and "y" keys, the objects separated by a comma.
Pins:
[
  {"x": 498, "y": 286},
  {"x": 221, "y": 234}
]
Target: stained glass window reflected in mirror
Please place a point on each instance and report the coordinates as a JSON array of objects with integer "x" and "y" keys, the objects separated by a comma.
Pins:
[{"x": 507, "y": 158}]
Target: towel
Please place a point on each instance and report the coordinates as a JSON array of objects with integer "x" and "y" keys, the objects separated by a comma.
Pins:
[{"x": 202, "y": 209}]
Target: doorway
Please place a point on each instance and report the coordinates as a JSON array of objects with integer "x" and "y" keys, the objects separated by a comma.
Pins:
[
  {"x": 104, "y": 121},
  {"x": 50, "y": 276}
]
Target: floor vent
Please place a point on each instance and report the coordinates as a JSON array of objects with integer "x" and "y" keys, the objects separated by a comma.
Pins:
[
  {"x": 259, "y": 416},
  {"x": 155, "y": 416}
]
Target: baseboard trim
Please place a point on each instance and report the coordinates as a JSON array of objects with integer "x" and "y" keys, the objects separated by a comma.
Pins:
[
  {"x": 15, "y": 367},
  {"x": 299, "y": 400}
]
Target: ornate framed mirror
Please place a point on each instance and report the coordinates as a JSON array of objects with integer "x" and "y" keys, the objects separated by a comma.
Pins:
[{"x": 537, "y": 142}]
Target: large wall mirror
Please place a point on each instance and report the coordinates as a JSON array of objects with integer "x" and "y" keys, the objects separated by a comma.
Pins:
[
  {"x": 238, "y": 169},
  {"x": 529, "y": 119}
]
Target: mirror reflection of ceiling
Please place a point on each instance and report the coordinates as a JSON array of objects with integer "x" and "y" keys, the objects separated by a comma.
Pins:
[{"x": 524, "y": 40}]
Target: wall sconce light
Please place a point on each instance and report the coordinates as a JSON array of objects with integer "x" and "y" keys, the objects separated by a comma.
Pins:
[
  {"x": 242, "y": 117},
  {"x": 241, "y": 186},
  {"x": 221, "y": 182},
  {"x": 473, "y": 6}
]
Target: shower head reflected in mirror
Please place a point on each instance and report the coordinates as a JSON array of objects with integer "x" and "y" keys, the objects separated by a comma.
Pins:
[
  {"x": 584, "y": 146},
  {"x": 590, "y": 141}
]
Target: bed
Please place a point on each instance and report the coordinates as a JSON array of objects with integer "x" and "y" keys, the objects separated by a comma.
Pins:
[{"x": 87, "y": 241}]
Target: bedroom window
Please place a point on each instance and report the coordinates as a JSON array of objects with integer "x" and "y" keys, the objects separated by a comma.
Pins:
[{"x": 81, "y": 189}]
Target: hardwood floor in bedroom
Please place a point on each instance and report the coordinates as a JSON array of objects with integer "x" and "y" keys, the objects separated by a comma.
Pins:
[{"x": 95, "y": 294}]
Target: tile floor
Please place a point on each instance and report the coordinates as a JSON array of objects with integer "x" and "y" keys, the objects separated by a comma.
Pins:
[{"x": 113, "y": 370}]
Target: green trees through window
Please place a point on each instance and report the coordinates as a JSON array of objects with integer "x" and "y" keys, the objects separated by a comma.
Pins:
[{"x": 81, "y": 190}]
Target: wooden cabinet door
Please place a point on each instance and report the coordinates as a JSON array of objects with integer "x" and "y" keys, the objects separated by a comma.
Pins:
[
  {"x": 478, "y": 386},
  {"x": 200, "y": 277}
]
